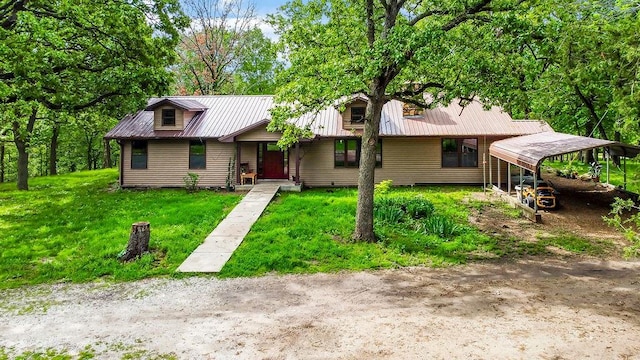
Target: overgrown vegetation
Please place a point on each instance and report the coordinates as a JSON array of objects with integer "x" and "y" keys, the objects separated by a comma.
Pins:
[
  {"x": 624, "y": 216},
  {"x": 72, "y": 227},
  {"x": 616, "y": 173},
  {"x": 311, "y": 232}
]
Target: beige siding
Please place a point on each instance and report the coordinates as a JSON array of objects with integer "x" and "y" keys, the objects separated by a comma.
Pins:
[
  {"x": 180, "y": 116},
  {"x": 406, "y": 161},
  {"x": 168, "y": 163},
  {"x": 346, "y": 116},
  {"x": 249, "y": 154},
  {"x": 259, "y": 134}
]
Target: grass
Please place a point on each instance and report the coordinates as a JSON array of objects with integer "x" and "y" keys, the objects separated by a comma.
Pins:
[
  {"x": 310, "y": 232},
  {"x": 72, "y": 227},
  {"x": 616, "y": 175}
]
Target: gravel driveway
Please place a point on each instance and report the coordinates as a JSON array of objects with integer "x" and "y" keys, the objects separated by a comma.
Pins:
[{"x": 550, "y": 310}]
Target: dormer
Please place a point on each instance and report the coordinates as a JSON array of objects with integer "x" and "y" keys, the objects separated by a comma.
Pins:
[
  {"x": 354, "y": 113},
  {"x": 174, "y": 113}
]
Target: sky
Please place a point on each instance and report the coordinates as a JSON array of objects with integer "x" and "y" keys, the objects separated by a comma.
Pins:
[{"x": 264, "y": 7}]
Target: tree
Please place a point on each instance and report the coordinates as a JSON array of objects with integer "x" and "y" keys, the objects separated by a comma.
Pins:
[
  {"x": 73, "y": 56},
  {"x": 572, "y": 63},
  {"x": 223, "y": 50},
  {"x": 389, "y": 49}
]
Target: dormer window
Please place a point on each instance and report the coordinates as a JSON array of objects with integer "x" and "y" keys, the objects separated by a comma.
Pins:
[
  {"x": 357, "y": 114},
  {"x": 411, "y": 110},
  {"x": 168, "y": 117}
]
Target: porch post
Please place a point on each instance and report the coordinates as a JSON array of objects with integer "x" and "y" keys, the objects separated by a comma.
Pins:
[
  {"x": 298, "y": 163},
  {"x": 238, "y": 159}
]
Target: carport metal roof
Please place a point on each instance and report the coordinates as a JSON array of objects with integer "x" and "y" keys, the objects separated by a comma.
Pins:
[{"x": 530, "y": 150}]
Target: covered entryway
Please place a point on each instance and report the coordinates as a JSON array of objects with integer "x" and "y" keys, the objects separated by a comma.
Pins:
[
  {"x": 273, "y": 163},
  {"x": 258, "y": 156},
  {"x": 528, "y": 152}
]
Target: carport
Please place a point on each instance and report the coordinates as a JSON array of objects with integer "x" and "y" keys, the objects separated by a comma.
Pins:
[{"x": 529, "y": 151}]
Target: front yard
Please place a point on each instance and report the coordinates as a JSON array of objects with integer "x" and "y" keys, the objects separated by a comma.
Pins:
[{"x": 71, "y": 228}]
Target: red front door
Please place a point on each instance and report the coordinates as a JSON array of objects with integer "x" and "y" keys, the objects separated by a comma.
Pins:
[{"x": 274, "y": 162}]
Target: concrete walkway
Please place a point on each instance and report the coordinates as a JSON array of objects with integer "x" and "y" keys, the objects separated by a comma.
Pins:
[{"x": 218, "y": 247}]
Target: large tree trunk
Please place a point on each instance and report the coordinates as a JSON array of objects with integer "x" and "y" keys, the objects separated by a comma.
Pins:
[
  {"x": 22, "y": 143},
  {"x": 107, "y": 163},
  {"x": 364, "y": 211},
  {"x": 53, "y": 151},
  {"x": 138, "y": 241}
]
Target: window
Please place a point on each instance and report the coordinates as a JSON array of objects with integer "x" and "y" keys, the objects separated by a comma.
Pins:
[
  {"x": 347, "y": 153},
  {"x": 168, "y": 117},
  {"x": 197, "y": 154},
  {"x": 357, "y": 114},
  {"x": 139, "y": 154},
  {"x": 459, "y": 152},
  {"x": 411, "y": 110}
]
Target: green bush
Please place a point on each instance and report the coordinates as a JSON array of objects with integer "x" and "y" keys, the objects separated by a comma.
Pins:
[
  {"x": 396, "y": 209},
  {"x": 441, "y": 226},
  {"x": 419, "y": 208},
  {"x": 383, "y": 187}
]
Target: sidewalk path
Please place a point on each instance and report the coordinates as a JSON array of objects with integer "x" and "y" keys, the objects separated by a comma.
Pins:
[{"x": 218, "y": 247}]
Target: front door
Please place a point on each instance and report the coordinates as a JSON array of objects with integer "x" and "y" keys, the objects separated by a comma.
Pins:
[{"x": 274, "y": 161}]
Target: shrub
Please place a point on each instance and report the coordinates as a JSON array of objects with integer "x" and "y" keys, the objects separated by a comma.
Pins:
[
  {"x": 191, "y": 182},
  {"x": 419, "y": 208},
  {"x": 395, "y": 209},
  {"x": 441, "y": 226},
  {"x": 383, "y": 187},
  {"x": 388, "y": 214}
]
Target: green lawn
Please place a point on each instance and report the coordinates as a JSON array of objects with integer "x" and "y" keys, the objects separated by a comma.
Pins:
[
  {"x": 72, "y": 227},
  {"x": 309, "y": 232},
  {"x": 616, "y": 174}
]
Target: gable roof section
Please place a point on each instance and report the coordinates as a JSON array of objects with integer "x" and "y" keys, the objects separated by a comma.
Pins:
[
  {"x": 529, "y": 151},
  {"x": 227, "y": 116},
  {"x": 184, "y": 104}
]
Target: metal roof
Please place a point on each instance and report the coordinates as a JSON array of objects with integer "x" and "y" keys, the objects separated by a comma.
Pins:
[
  {"x": 228, "y": 115},
  {"x": 185, "y": 104},
  {"x": 529, "y": 151}
]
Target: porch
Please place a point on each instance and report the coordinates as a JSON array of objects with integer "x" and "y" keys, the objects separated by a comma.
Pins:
[{"x": 285, "y": 185}]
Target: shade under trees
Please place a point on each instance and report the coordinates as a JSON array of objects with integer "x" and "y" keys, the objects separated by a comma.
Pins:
[
  {"x": 391, "y": 49},
  {"x": 68, "y": 56}
]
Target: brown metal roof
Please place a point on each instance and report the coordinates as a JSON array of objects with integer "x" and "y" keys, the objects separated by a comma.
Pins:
[
  {"x": 185, "y": 104},
  {"x": 230, "y": 115},
  {"x": 529, "y": 151}
]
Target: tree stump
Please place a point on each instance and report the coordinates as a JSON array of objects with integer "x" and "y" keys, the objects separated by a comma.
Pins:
[{"x": 138, "y": 241}]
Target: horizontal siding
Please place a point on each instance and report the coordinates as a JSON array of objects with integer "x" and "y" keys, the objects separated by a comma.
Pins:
[
  {"x": 157, "y": 119},
  {"x": 249, "y": 154},
  {"x": 406, "y": 161},
  {"x": 259, "y": 134},
  {"x": 168, "y": 163},
  {"x": 346, "y": 116}
]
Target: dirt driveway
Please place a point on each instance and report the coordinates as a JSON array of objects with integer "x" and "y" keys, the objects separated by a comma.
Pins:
[{"x": 526, "y": 309}]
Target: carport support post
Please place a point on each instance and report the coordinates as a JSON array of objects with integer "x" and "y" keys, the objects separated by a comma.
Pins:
[
  {"x": 499, "y": 179},
  {"x": 535, "y": 191},
  {"x": 490, "y": 173},
  {"x": 509, "y": 178}
]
